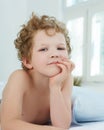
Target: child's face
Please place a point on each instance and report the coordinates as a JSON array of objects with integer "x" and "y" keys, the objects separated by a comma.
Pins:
[{"x": 47, "y": 51}]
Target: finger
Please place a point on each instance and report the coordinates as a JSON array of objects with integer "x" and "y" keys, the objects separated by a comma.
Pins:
[
  {"x": 68, "y": 65},
  {"x": 72, "y": 66},
  {"x": 63, "y": 68}
]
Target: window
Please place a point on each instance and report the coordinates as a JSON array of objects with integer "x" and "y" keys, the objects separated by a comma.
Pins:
[
  {"x": 97, "y": 43},
  {"x": 73, "y": 2},
  {"x": 76, "y": 34},
  {"x": 85, "y": 23}
]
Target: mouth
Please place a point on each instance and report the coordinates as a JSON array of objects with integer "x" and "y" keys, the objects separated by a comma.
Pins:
[{"x": 54, "y": 62}]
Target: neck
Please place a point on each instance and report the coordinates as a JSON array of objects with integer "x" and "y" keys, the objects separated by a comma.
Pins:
[{"x": 39, "y": 81}]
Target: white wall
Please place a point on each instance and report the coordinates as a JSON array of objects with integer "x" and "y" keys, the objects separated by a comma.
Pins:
[
  {"x": 14, "y": 13},
  {"x": 48, "y": 7}
]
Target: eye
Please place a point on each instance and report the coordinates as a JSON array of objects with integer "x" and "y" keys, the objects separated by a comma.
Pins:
[
  {"x": 43, "y": 49},
  {"x": 61, "y": 48}
]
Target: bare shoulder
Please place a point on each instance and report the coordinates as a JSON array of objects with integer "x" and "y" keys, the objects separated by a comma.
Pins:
[
  {"x": 17, "y": 81},
  {"x": 20, "y": 74},
  {"x": 12, "y": 98}
]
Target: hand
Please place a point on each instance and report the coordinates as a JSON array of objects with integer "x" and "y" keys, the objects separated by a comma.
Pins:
[{"x": 66, "y": 67}]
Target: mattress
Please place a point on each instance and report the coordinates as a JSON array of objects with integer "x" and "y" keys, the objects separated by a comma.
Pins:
[{"x": 89, "y": 126}]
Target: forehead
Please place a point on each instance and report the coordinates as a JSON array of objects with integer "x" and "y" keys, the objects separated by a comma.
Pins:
[{"x": 48, "y": 36}]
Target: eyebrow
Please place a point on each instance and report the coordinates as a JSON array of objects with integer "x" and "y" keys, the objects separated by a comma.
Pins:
[
  {"x": 61, "y": 44},
  {"x": 43, "y": 44}
]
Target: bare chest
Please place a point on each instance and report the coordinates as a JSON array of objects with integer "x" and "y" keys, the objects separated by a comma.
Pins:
[{"x": 36, "y": 108}]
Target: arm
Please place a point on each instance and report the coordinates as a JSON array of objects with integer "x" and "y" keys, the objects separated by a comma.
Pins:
[
  {"x": 11, "y": 118},
  {"x": 60, "y": 95},
  {"x": 18, "y": 124}
]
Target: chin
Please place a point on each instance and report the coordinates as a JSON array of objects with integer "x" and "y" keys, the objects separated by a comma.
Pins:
[{"x": 54, "y": 72}]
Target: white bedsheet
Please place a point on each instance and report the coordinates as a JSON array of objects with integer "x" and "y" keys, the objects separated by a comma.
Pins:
[{"x": 89, "y": 126}]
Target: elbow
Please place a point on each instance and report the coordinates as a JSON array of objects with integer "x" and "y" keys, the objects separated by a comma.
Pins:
[
  {"x": 65, "y": 124},
  {"x": 7, "y": 125},
  {"x": 4, "y": 127},
  {"x": 69, "y": 124}
]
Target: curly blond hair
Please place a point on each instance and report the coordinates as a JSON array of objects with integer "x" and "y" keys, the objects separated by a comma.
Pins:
[{"x": 23, "y": 42}]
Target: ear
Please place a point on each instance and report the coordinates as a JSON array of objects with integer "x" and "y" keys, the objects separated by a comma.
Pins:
[{"x": 27, "y": 63}]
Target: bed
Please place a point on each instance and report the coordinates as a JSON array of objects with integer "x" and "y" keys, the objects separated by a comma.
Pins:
[
  {"x": 87, "y": 110},
  {"x": 89, "y": 126}
]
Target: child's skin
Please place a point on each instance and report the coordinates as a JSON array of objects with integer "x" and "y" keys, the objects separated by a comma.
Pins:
[{"x": 32, "y": 98}]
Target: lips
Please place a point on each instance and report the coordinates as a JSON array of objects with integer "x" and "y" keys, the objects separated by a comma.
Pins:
[{"x": 54, "y": 62}]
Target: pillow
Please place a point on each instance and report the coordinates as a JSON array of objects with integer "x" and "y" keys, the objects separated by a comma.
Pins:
[{"x": 88, "y": 105}]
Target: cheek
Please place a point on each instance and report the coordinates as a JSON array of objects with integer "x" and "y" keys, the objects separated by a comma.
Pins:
[
  {"x": 37, "y": 60},
  {"x": 40, "y": 61},
  {"x": 64, "y": 54}
]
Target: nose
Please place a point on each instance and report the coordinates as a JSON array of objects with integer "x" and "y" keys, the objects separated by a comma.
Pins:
[{"x": 54, "y": 56}]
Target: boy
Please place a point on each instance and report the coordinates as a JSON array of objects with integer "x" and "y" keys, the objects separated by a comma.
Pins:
[{"x": 41, "y": 91}]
